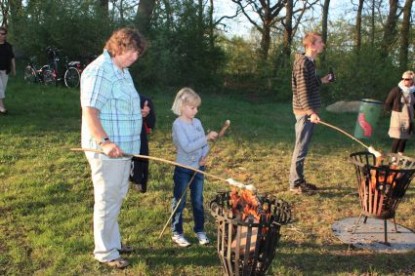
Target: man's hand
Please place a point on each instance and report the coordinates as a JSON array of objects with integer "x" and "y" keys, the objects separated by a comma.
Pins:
[
  {"x": 112, "y": 150},
  {"x": 314, "y": 118},
  {"x": 325, "y": 79}
]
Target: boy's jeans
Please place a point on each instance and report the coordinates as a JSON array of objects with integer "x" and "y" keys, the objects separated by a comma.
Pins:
[{"x": 303, "y": 133}]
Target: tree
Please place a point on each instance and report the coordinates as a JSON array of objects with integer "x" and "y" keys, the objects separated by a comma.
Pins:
[
  {"x": 405, "y": 31},
  {"x": 4, "y": 6},
  {"x": 324, "y": 29},
  {"x": 324, "y": 20},
  {"x": 358, "y": 35},
  {"x": 268, "y": 13},
  {"x": 389, "y": 33},
  {"x": 144, "y": 14},
  {"x": 104, "y": 7},
  {"x": 288, "y": 29}
]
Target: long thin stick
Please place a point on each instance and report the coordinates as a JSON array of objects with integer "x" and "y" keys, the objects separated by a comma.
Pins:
[
  {"x": 345, "y": 133},
  {"x": 229, "y": 181},
  {"x": 221, "y": 133},
  {"x": 157, "y": 159},
  {"x": 177, "y": 204}
]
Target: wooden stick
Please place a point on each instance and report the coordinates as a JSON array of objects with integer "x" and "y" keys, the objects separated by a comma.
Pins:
[
  {"x": 156, "y": 159},
  {"x": 224, "y": 128},
  {"x": 345, "y": 133},
  {"x": 369, "y": 148},
  {"x": 229, "y": 181}
]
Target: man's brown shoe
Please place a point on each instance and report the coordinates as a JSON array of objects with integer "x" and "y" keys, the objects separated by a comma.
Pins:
[
  {"x": 304, "y": 188},
  {"x": 119, "y": 263}
]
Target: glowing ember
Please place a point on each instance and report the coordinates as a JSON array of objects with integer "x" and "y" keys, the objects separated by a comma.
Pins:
[
  {"x": 248, "y": 230},
  {"x": 383, "y": 176},
  {"x": 244, "y": 204}
]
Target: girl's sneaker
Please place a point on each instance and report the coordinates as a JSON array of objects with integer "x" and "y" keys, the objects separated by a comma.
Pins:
[
  {"x": 180, "y": 240},
  {"x": 203, "y": 239}
]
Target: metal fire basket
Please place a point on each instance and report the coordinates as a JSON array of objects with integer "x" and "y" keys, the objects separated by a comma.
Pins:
[
  {"x": 247, "y": 246},
  {"x": 382, "y": 183}
]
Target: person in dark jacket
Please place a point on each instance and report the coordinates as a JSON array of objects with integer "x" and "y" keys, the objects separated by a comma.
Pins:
[
  {"x": 400, "y": 102},
  {"x": 7, "y": 65},
  {"x": 139, "y": 166},
  {"x": 306, "y": 103}
]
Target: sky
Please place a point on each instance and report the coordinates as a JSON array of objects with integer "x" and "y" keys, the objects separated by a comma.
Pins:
[{"x": 241, "y": 26}]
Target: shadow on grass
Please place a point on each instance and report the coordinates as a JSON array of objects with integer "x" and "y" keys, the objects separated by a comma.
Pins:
[{"x": 344, "y": 259}]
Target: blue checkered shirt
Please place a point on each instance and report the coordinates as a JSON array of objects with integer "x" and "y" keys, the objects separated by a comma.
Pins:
[{"x": 111, "y": 90}]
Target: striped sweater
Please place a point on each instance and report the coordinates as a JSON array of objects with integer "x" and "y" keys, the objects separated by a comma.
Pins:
[{"x": 305, "y": 85}]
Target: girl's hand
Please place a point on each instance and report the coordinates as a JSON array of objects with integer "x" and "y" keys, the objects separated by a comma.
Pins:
[
  {"x": 202, "y": 161},
  {"x": 212, "y": 135}
]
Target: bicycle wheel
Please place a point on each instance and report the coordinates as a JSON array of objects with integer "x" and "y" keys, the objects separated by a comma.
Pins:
[
  {"x": 48, "y": 77},
  {"x": 71, "y": 77},
  {"x": 29, "y": 74}
]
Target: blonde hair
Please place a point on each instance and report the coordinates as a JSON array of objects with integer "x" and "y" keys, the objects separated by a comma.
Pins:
[
  {"x": 409, "y": 74},
  {"x": 310, "y": 38},
  {"x": 186, "y": 96}
]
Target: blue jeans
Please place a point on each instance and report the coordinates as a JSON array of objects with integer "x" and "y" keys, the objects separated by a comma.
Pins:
[
  {"x": 303, "y": 133},
  {"x": 181, "y": 179}
]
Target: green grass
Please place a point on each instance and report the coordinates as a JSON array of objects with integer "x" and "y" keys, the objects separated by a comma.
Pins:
[{"x": 46, "y": 196}]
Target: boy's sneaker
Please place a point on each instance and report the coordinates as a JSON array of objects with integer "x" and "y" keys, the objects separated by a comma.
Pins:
[
  {"x": 203, "y": 239},
  {"x": 304, "y": 188},
  {"x": 180, "y": 240}
]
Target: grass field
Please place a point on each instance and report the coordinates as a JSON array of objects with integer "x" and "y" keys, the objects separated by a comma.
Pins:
[{"x": 46, "y": 196}]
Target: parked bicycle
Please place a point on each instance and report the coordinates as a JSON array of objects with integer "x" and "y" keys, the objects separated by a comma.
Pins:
[
  {"x": 51, "y": 73},
  {"x": 72, "y": 76},
  {"x": 74, "y": 69},
  {"x": 34, "y": 74}
]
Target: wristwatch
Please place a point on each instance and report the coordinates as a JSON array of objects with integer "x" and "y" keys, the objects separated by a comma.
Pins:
[{"x": 103, "y": 141}]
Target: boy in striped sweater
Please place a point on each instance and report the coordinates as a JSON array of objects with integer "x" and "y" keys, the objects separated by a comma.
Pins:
[{"x": 306, "y": 103}]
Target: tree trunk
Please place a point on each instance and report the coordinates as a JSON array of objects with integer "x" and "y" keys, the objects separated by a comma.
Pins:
[
  {"x": 268, "y": 12},
  {"x": 288, "y": 30},
  {"x": 104, "y": 7},
  {"x": 16, "y": 18},
  {"x": 265, "y": 42},
  {"x": 4, "y": 6},
  {"x": 324, "y": 26},
  {"x": 211, "y": 25},
  {"x": 404, "y": 43},
  {"x": 358, "y": 38},
  {"x": 389, "y": 34},
  {"x": 373, "y": 25},
  {"x": 144, "y": 14}
]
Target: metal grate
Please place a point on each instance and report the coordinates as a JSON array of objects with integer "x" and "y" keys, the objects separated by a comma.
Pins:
[
  {"x": 382, "y": 183},
  {"x": 247, "y": 247}
]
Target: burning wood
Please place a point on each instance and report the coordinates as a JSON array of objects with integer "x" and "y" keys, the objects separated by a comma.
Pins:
[
  {"x": 384, "y": 177},
  {"x": 248, "y": 230},
  {"x": 245, "y": 204},
  {"x": 382, "y": 183}
]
